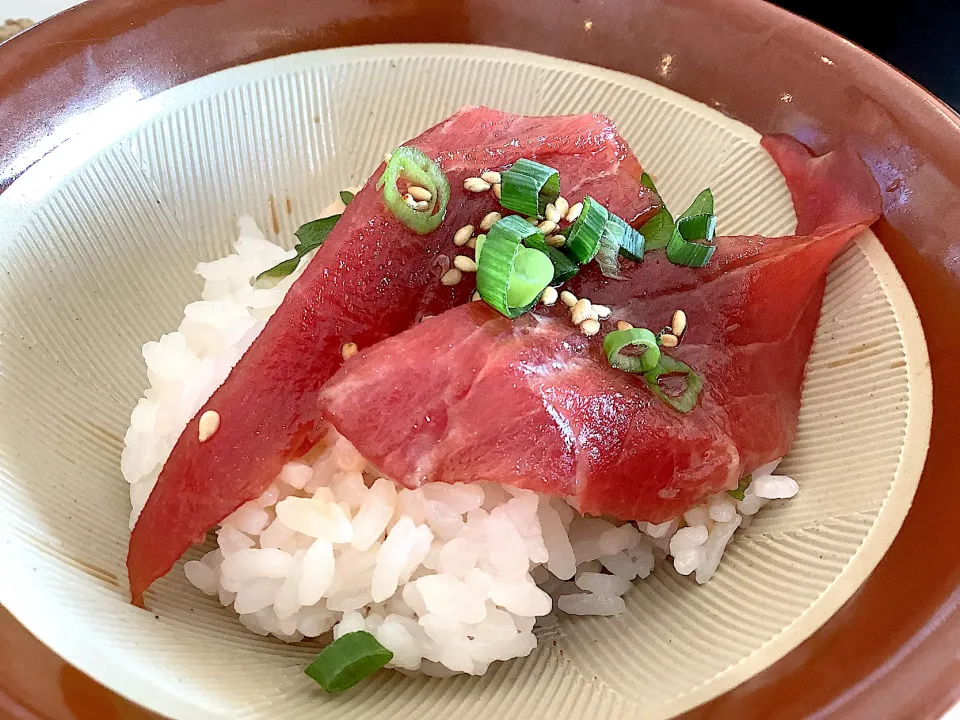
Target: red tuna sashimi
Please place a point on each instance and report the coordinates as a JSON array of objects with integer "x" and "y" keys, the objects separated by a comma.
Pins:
[
  {"x": 371, "y": 279},
  {"x": 470, "y": 395}
]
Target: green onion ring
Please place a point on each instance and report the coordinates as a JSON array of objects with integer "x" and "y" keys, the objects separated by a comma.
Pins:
[
  {"x": 528, "y": 187},
  {"x": 617, "y": 340},
  {"x": 583, "y": 237},
  {"x": 685, "y": 401},
  {"x": 510, "y": 276},
  {"x": 692, "y": 243},
  {"x": 417, "y": 169}
]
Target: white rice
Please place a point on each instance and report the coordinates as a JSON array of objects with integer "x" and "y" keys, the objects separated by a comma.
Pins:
[{"x": 449, "y": 577}]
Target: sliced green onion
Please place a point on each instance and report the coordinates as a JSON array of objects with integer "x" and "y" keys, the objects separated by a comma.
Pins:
[
  {"x": 532, "y": 272},
  {"x": 632, "y": 244},
  {"x": 311, "y": 236},
  {"x": 348, "y": 660},
  {"x": 346, "y": 197},
  {"x": 685, "y": 401},
  {"x": 702, "y": 205},
  {"x": 698, "y": 228},
  {"x": 563, "y": 267},
  {"x": 511, "y": 277},
  {"x": 741, "y": 486},
  {"x": 629, "y": 242},
  {"x": 528, "y": 187},
  {"x": 608, "y": 255},
  {"x": 658, "y": 230},
  {"x": 417, "y": 169},
  {"x": 583, "y": 237},
  {"x": 617, "y": 340},
  {"x": 691, "y": 243}
]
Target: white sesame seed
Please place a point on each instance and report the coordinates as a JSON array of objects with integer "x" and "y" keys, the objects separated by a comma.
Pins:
[
  {"x": 387, "y": 156},
  {"x": 408, "y": 199},
  {"x": 679, "y": 322},
  {"x": 581, "y": 311},
  {"x": 498, "y": 190},
  {"x": 602, "y": 311},
  {"x": 624, "y": 325},
  {"x": 348, "y": 350},
  {"x": 590, "y": 327},
  {"x": 549, "y": 296},
  {"x": 461, "y": 236},
  {"x": 420, "y": 193},
  {"x": 475, "y": 296},
  {"x": 464, "y": 263},
  {"x": 452, "y": 276},
  {"x": 422, "y": 205},
  {"x": 547, "y": 227},
  {"x": 574, "y": 212},
  {"x": 563, "y": 207},
  {"x": 556, "y": 241},
  {"x": 533, "y": 221},
  {"x": 552, "y": 214},
  {"x": 472, "y": 242},
  {"x": 491, "y": 176},
  {"x": 593, "y": 314},
  {"x": 208, "y": 425},
  {"x": 568, "y": 298},
  {"x": 668, "y": 340},
  {"x": 475, "y": 184},
  {"x": 489, "y": 220}
]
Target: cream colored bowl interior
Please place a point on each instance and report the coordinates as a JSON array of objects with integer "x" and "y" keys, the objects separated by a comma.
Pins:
[{"x": 100, "y": 239}]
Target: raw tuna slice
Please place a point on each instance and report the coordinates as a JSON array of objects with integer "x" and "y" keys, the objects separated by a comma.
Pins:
[
  {"x": 371, "y": 279},
  {"x": 470, "y": 395}
]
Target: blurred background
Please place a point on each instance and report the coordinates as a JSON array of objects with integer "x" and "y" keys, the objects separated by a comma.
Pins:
[{"x": 920, "y": 37}]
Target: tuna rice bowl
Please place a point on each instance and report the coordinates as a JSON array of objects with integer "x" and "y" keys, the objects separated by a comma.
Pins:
[{"x": 498, "y": 384}]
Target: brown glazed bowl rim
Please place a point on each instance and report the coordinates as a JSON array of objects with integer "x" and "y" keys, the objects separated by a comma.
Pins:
[{"x": 890, "y": 652}]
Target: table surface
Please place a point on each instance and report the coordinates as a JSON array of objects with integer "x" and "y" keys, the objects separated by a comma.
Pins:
[{"x": 922, "y": 43}]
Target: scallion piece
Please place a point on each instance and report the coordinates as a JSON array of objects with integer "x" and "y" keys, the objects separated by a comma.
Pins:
[
  {"x": 311, "y": 235},
  {"x": 348, "y": 660},
  {"x": 608, "y": 255},
  {"x": 658, "y": 230},
  {"x": 741, "y": 486},
  {"x": 685, "y": 401},
  {"x": 528, "y": 187},
  {"x": 583, "y": 237},
  {"x": 619, "y": 238},
  {"x": 632, "y": 243},
  {"x": 702, "y": 205},
  {"x": 563, "y": 267},
  {"x": 510, "y": 276},
  {"x": 616, "y": 341},
  {"x": 417, "y": 169},
  {"x": 691, "y": 243},
  {"x": 346, "y": 197}
]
